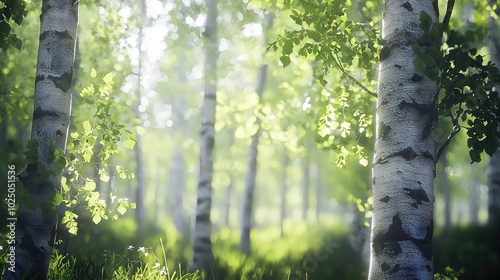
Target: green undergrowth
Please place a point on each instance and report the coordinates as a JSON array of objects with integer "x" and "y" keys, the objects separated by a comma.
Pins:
[
  {"x": 472, "y": 251},
  {"x": 116, "y": 251}
]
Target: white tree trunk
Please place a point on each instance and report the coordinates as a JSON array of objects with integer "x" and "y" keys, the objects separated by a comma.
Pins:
[
  {"x": 203, "y": 255},
  {"x": 36, "y": 228},
  {"x": 305, "y": 184},
  {"x": 494, "y": 189},
  {"x": 316, "y": 174},
  {"x": 178, "y": 180},
  {"x": 446, "y": 189},
  {"x": 405, "y": 151},
  {"x": 140, "y": 212},
  {"x": 494, "y": 163},
  {"x": 284, "y": 179},
  {"x": 246, "y": 220}
]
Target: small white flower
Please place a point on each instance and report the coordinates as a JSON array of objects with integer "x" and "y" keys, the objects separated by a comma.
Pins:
[
  {"x": 141, "y": 249},
  {"x": 130, "y": 247},
  {"x": 156, "y": 265},
  {"x": 1, "y": 247},
  {"x": 163, "y": 271}
]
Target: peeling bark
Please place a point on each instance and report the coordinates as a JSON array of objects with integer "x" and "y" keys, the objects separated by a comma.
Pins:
[
  {"x": 36, "y": 223},
  {"x": 405, "y": 151}
]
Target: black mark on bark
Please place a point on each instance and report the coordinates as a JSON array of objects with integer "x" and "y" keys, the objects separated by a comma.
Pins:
[
  {"x": 416, "y": 78},
  {"x": 40, "y": 113},
  {"x": 388, "y": 243},
  {"x": 62, "y": 82},
  {"x": 384, "y": 53},
  {"x": 61, "y": 35},
  {"x": 407, "y": 154},
  {"x": 419, "y": 195},
  {"x": 385, "y": 199},
  {"x": 385, "y": 267},
  {"x": 408, "y": 6},
  {"x": 384, "y": 130}
]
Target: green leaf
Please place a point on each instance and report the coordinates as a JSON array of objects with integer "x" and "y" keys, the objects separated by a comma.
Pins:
[
  {"x": 93, "y": 73},
  {"x": 285, "y": 60},
  {"x": 363, "y": 161},
  {"x": 73, "y": 230},
  {"x": 103, "y": 176},
  {"x": 15, "y": 42},
  {"x": 90, "y": 185},
  {"x": 287, "y": 48},
  {"x": 57, "y": 199},
  {"x": 108, "y": 79},
  {"x": 130, "y": 142},
  {"x": 87, "y": 127},
  {"x": 96, "y": 218},
  {"x": 121, "y": 209},
  {"x": 64, "y": 185}
]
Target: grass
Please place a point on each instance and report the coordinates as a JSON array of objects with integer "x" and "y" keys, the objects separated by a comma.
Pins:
[
  {"x": 134, "y": 264},
  {"x": 307, "y": 251}
]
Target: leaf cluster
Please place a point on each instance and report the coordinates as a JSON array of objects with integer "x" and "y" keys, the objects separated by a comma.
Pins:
[
  {"x": 93, "y": 145},
  {"x": 327, "y": 34},
  {"x": 466, "y": 81},
  {"x": 11, "y": 10}
]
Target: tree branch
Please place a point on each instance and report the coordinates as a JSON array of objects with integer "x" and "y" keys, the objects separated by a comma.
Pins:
[
  {"x": 358, "y": 83},
  {"x": 456, "y": 129},
  {"x": 447, "y": 16}
]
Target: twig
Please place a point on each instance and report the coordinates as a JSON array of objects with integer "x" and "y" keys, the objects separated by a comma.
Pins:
[{"x": 358, "y": 83}]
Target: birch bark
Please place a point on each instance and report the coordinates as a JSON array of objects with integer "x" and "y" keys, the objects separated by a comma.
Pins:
[
  {"x": 36, "y": 224},
  {"x": 203, "y": 255},
  {"x": 246, "y": 221},
  {"x": 140, "y": 212},
  {"x": 494, "y": 162},
  {"x": 405, "y": 151}
]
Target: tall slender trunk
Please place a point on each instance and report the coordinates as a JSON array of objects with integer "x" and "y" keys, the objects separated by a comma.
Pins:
[
  {"x": 494, "y": 189},
  {"x": 227, "y": 208},
  {"x": 284, "y": 178},
  {"x": 446, "y": 189},
  {"x": 315, "y": 173},
  {"x": 203, "y": 256},
  {"x": 140, "y": 212},
  {"x": 474, "y": 197},
  {"x": 111, "y": 185},
  {"x": 97, "y": 167},
  {"x": 306, "y": 169},
  {"x": 246, "y": 220},
  {"x": 405, "y": 151},
  {"x": 178, "y": 166},
  {"x": 3, "y": 132},
  {"x": 178, "y": 182},
  {"x": 36, "y": 223},
  {"x": 494, "y": 163}
]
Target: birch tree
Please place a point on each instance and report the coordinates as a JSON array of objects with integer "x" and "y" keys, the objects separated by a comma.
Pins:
[
  {"x": 203, "y": 255},
  {"x": 36, "y": 222},
  {"x": 405, "y": 151},
  {"x": 139, "y": 171},
  {"x": 248, "y": 195},
  {"x": 494, "y": 162}
]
